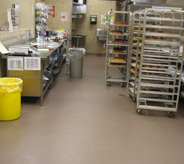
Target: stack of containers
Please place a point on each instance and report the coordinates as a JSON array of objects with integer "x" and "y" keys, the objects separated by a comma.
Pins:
[{"x": 15, "y": 16}]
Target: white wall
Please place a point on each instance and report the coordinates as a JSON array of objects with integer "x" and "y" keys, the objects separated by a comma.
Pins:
[
  {"x": 26, "y": 16},
  {"x": 25, "y": 12}
]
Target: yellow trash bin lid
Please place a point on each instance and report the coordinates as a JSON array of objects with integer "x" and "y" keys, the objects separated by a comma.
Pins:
[{"x": 8, "y": 85}]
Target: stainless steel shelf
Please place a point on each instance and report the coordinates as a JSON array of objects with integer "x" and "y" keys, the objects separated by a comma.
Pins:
[
  {"x": 124, "y": 34},
  {"x": 78, "y": 13},
  {"x": 160, "y": 19},
  {"x": 153, "y": 85},
  {"x": 117, "y": 66},
  {"x": 118, "y": 25},
  {"x": 120, "y": 12},
  {"x": 168, "y": 35},
  {"x": 157, "y": 108},
  {"x": 116, "y": 80},
  {"x": 45, "y": 88},
  {"x": 164, "y": 27},
  {"x": 118, "y": 44},
  {"x": 78, "y": 4},
  {"x": 113, "y": 53},
  {"x": 162, "y": 42}
]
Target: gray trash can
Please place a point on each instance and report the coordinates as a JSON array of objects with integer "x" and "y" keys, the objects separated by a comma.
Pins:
[{"x": 76, "y": 56}]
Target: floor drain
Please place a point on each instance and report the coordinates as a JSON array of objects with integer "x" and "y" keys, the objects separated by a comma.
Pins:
[{"x": 122, "y": 95}]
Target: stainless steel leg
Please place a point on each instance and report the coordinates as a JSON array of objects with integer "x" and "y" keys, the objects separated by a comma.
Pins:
[
  {"x": 77, "y": 42},
  {"x": 41, "y": 100}
]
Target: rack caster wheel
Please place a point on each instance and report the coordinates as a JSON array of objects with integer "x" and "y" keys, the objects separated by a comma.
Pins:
[
  {"x": 139, "y": 111},
  {"x": 134, "y": 99},
  {"x": 123, "y": 84},
  {"x": 109, "y": 83},
  {"x": 170, "y": 114}
]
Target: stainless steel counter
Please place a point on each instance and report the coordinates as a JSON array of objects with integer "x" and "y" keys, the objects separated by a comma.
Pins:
[
  {"x": 42, "y": 55},
  {"x": 34, "y": 85}
]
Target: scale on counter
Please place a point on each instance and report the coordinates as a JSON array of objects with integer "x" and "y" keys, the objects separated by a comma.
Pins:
[{"x": 23, "y": 50}]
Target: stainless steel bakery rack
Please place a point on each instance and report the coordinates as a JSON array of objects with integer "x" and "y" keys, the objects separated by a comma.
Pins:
[
  {"x": 117, "y": 47},
  {"x": 135, "y": 51},
  {"x": 134, "y": 57},
  {"x": 161, "y": 59}
]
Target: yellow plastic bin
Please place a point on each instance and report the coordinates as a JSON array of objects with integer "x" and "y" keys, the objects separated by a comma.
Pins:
[{"x": 10, "y": 98}]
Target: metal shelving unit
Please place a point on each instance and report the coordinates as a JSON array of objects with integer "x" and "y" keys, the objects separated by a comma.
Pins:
[
  {"x": 159, "y": 59},
  {"x": 117, "y": 49},
  {"x": 78, "y": 9}
]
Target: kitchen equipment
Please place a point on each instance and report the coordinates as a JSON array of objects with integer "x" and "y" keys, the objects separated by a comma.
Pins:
[{"x": 23, "y": 50}]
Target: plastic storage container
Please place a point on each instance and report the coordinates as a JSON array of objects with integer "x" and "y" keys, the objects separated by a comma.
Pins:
[
  {"x": 76, "y": 62},
  {"x": 10, "y": 98}
]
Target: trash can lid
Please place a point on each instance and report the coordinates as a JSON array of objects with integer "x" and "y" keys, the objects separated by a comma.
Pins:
[
  {"x": 8, "y": 85},
  {"x": 10, "y": 81}
]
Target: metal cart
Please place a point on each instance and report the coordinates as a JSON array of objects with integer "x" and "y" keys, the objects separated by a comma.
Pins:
[
  {"x": 135, "y": 53},
  {"x": 161, "y": 59},
  {"x": 134, "y": 58},
  {"x": 117, "y": 49}
]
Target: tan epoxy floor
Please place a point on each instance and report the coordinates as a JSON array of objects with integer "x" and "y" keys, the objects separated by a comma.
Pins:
[{"x": 85, "y": 122}]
